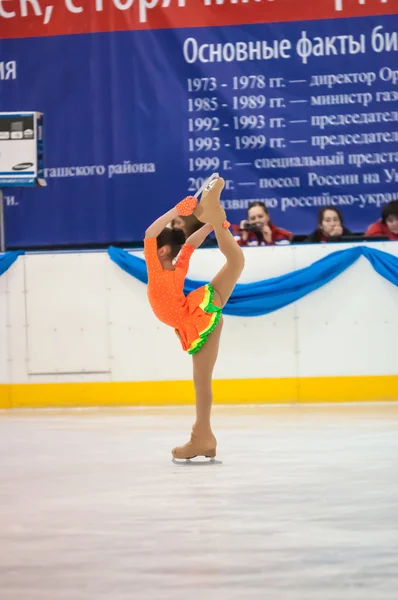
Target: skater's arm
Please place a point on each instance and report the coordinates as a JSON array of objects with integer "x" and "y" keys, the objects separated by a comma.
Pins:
[
  {"x": 157, "y": 226},
  {"x": 183, "y": 209},
  {"x": 198, "y": 237},
  {"x": 193, "y": 242}
]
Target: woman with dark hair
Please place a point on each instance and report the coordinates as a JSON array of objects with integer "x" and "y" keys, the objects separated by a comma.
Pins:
[
  {"x": 258, "y": 229},
  {"x": 388, "y": 225},
  {"x": 188, "y": 224},
  {"x": 330, "y": 226}
]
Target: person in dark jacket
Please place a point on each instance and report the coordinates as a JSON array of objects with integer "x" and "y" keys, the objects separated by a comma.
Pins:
[
  {"x": 187, "y": 224},
  {"x": 330, "y": 226}
]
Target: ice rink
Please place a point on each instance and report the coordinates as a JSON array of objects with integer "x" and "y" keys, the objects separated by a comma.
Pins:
[{"x": 304, "y": 506}]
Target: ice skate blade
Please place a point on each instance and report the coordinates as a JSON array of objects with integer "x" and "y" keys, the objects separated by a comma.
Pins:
[
  {"x": 187, "y": 462},
  {"x": 208, "y": 184}
]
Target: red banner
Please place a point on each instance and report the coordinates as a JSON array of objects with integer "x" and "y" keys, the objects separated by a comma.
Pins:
[{"x": 33, "y": 18}]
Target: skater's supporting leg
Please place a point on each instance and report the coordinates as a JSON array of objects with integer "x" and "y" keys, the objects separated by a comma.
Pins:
[
  {"x": 203, "y": 442},
  {"x": 203, "y": 366},
  {"x": 225, "y": 280}
]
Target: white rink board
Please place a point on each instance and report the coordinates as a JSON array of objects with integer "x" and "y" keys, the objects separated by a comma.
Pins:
[
  {"x": 63, "y": 313},
  {"x": 3, "y": 330},
  {"x": 79, "y": 317}
]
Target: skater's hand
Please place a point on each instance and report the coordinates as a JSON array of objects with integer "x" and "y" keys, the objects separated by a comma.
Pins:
[
  {"x": 186, "y": 206},
  {"x": 267, "y": 234}
]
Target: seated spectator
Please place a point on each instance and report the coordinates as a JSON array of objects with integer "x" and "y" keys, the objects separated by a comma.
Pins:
[
  {"x": 258, "y": 229},
  {"x": 330, "y": 226},
  {"x": 187, "y": 224},
  {"x": 388, "y": 224}
]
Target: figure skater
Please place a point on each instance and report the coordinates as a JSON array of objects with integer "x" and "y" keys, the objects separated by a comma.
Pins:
[{"x": 196, "y": 318}]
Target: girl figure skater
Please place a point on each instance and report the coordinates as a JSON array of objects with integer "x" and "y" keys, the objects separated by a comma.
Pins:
[{"x": 196, "y": 318}]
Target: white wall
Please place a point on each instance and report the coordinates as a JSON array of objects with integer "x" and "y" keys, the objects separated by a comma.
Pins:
[
  {"x": 3, "y": 330},
  {"x": 78, "y": 317}
]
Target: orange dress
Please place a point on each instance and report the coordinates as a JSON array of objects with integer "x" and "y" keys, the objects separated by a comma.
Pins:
[{"x": 193, "y": 317}]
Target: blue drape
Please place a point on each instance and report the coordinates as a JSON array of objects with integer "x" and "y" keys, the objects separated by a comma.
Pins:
[
  {"x": 263, "y": 297},
  {"x": 8, "y": 259}
]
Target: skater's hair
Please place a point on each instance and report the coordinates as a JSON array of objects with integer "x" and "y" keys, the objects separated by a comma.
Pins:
[
  {"x": 390, "y": 210},
  {"x": 174, "y": 238}
]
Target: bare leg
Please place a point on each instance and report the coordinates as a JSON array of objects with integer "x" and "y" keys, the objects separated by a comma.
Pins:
[
  {"x": 209, "y": 209},
  {"x": 225, "y": 280},
  {"x": 203, "y": 366},
  {"x": 203, "y": 442}
]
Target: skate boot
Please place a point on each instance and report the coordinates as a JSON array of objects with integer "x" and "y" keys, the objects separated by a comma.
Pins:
[
  {"x": 200, "y": 444},
  {"x": 209, "y": 209}
]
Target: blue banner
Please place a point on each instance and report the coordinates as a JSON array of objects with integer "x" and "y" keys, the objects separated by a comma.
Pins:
[
  {"x": 263, "y": 297},
  {"x": 297, "y": 115}
]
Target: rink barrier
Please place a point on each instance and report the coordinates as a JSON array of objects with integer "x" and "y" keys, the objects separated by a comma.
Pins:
[
  {"x": 308, "y": 390},
  {"x": 75, "y": 330}
]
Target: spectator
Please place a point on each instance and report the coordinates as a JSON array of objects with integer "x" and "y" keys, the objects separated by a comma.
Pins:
[
  {"x": 388, "y": 224},
  {"x": 187, "y": 224},
  {"x": 258, "y": 229},
  {"x": 330, "y": 226}
]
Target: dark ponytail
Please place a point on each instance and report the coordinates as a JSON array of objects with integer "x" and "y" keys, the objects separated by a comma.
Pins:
[
  {"x": 178, "y": 237},
  {"x": 175, "y": 238}
]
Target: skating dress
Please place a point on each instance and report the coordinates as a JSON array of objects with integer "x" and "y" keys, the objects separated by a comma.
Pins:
[{"x": 193, "y": 317}]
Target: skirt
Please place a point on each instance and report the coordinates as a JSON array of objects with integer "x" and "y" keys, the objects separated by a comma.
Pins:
[{"x": 203, "y": 318}]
